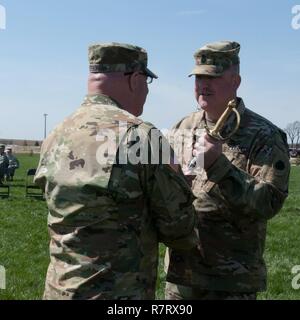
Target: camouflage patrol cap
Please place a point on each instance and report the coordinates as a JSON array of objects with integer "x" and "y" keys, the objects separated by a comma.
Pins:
[
  {"x": 215, "y": 58},
  {"x": 118, "y": 57}
]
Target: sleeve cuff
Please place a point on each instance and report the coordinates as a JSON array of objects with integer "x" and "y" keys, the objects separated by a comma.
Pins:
[{"x": 217, "y": 171}]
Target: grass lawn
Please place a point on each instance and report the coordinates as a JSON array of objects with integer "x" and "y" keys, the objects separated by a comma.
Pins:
[
  {"x": 24, "y": 242},
  {"x": 23, "y": 239}
]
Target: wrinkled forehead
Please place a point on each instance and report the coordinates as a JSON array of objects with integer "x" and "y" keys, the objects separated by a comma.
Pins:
[{"x": 209, "y": 78}]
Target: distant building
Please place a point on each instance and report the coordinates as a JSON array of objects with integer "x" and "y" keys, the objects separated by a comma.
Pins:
[
  {"x": 21, "y": 142},
  {"x": 23, "y": 146}
]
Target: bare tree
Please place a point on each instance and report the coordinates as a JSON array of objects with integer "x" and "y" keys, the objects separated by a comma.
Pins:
[
  {"x": 297, "y": 124},
  {"x": 293, "y": 132}
]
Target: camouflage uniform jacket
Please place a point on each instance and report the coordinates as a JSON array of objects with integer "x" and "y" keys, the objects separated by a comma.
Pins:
[
  {"x": 244, "y": 188},
  {"x": 106, "y": 220}
]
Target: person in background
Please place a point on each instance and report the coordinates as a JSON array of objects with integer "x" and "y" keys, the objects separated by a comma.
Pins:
[
  {"x": 3, "y": 163},
  {"x": 13, "y": 164}
]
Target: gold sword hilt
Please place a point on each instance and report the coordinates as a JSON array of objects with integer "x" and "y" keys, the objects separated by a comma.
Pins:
[{"x": 215, "y": 131}]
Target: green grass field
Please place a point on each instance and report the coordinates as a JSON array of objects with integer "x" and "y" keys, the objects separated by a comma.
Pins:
[{"x": 24, "y": 242}]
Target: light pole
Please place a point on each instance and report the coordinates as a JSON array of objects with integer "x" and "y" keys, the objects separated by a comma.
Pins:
[{"x": 45, "y": 125}]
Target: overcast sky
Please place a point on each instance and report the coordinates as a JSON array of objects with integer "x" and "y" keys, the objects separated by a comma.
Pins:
[{"x": 44, "y": 67}]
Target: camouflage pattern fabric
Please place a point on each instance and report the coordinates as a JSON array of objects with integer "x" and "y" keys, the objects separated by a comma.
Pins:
[
  {"x": 3, "y": 165},
  {"x": 13, "y": 164},
  {"x": 178, "y": 292},
  {"x": 245, "y": 187},
  {"x": 118, "y": 57},
  {"x": 215, "y": 58},
  {"x": 106, "y": 220}
]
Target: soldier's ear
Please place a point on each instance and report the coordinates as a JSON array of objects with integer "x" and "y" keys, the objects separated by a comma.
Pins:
[
  {"x": 133, "y": 81},
  {"x": 236, "y": 81}
]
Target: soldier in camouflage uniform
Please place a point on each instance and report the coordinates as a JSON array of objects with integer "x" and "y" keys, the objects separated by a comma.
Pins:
[
  {"x": 238, "y": 190},
  {"x": 107, "y": 216},
  {"x": 13, "y": 164},
  {"x": 3, "y": 163}
]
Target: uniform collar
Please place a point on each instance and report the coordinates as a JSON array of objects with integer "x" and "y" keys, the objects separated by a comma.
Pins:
[
  {"x": 231, "y": 120},
  {"x": 100, "y": 99}
]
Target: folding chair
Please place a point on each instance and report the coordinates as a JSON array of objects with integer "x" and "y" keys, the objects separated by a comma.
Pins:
[
  {"x": 4, "y": 190},
  {"x": 32, "y": 189}
]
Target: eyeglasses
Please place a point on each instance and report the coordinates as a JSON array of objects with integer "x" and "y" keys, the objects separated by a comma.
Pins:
[{"x": 149, "y": 79}]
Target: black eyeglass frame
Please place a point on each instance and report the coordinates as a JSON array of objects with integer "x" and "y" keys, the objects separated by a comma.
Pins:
[{"x": 149, "y": 79}]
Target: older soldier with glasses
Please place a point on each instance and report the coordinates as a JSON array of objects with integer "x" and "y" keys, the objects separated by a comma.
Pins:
[{"x": 106, "y": 218}]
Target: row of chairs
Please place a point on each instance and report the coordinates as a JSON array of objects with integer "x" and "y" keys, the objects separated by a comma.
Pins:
[{"x": 31, "y": 189}]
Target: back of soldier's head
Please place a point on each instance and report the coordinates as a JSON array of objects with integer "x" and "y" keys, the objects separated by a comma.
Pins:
[
  {"x": 121, "y": 72},
  {"x": 118, "y": 57}
]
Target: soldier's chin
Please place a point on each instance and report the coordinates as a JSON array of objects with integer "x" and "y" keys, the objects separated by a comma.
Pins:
[
  {"x": 139, "y": 112},
  {"x": 203, "y": 104}
]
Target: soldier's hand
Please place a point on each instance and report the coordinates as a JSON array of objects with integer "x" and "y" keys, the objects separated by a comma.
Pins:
[{"x": 207, "y": 150}]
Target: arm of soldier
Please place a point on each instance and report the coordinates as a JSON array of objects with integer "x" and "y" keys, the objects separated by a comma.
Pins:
[
  {"x": 40, "y": 178},
  {"x": 171, "y": 200},
  {"x": 260, "y": 193},
  {"x": 168, "y": 195},
  {"x": 171, "y": 203},
  {"x": 47, "y": 159}
]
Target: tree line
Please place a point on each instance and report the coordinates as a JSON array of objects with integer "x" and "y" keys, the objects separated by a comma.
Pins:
[{"x": 293, "y": 132}]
